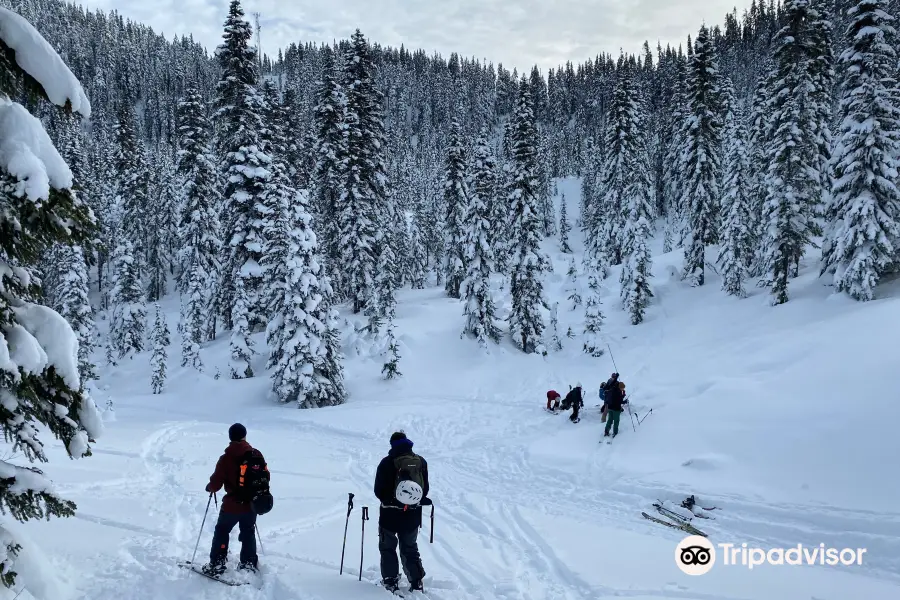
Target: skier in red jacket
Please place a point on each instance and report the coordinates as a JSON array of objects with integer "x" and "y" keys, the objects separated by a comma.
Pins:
[{"x": 553, "y": 397}]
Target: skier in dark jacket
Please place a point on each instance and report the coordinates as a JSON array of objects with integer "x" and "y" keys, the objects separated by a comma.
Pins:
[
  {"x": 399, "y": 523},
  {"x": 233, "y": 511},
  {"x": 615, "y": 399},
  {"x": 575, "y": 400}
]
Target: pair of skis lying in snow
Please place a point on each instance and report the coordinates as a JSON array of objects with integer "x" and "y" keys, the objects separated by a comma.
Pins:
[{"x": 678, "y": 521}]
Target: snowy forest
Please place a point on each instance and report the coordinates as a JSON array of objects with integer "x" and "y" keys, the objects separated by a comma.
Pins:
[{"x": 269, "y": 192}]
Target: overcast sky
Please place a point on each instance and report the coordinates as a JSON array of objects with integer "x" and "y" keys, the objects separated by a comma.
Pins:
[{"x": 518, "y": 33}]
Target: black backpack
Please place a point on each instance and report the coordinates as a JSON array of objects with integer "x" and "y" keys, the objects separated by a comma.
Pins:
[
  {"x": 253, "y": 482},
  {"x": 408, "y": 467}
]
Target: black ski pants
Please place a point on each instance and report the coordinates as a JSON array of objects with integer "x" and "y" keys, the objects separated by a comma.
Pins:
[
  {"x": 409, "y": 555},
  {"x": 247, "y": 523},
  {"x": 576, "y": 406}
]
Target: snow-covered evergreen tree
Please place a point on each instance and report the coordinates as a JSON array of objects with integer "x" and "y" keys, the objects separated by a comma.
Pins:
[
  {"x": 456, "y": 199},
  {"x": 863, "y": 241},
  {"x": 702, "y": 169},
  {"x": 306, "y": 358},
  {"x": 529, "y": 263},
  {"x": 132, "y": 171},
  {"x": 486, "y": 186},
  {"x": 73, "y": 304},
  {"x": 364, "y": 196},
  {"x": 593, "y": 317},
  {"x": 129, "y": 311},
  {"x": 159, "y": 359},
  {"x": 555, "y": 342},
  {"x": 391, "y": 367},
  {"x": 564, "y": 228},
  {"x": 199, "y": 243},
  {"x": 40, "y": 386},
  {"x": 737, "y": 239},
  {"x": 760, "y": 134},
  {"x": 242, "y": 346},
  {"x": 418, "y": 260},
  {"x": 159, "y": 230},
  {"x": 478, "y": 256},
  {"x": 792, "y": 186},
  {"x": 573, "y": 293},
  {"x": 328, "y": 177},
  {"x": 244, "y": 169},
  {"x": 278, "y": 198}
]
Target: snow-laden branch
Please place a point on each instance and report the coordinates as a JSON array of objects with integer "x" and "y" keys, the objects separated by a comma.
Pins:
[{"x": 38, "y": 58}]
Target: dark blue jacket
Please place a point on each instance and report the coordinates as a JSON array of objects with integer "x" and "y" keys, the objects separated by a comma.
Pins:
[{"x": 391, "y": 515}]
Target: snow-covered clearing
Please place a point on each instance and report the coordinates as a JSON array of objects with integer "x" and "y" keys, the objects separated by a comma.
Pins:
[{"x": 784, "y": 418}]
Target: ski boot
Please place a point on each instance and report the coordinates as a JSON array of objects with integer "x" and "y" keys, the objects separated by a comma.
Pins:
[
  {"x": 392, "y": 585},
  {"x": 214, "y": 569},
  {"x": 251, "y": 566},
  {"x": 416, "y": 586}
]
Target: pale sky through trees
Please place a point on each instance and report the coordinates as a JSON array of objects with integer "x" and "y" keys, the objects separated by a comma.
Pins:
[{"x": 518, "y": 33}]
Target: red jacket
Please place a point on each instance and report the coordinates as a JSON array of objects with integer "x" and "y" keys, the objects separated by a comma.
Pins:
[
  {"x": 226, "y": 474},
  {"x": 552, "y": 395}
]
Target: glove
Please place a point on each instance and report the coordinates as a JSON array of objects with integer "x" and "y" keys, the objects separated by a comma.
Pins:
[{"x": 426, "y": 502}]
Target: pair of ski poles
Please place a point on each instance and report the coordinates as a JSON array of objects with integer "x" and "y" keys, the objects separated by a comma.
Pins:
[
  {"x": 362, "y": 541},
  {"x": 212, "y": 496}
]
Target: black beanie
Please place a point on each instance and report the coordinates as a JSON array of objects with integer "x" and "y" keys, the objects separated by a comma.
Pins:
[
  {"x": 237, "y": 432},
  {"x": 397, "y": 435}
]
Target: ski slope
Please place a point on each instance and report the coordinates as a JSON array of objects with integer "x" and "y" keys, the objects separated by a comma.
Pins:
[{"x": 784, "y": 418}]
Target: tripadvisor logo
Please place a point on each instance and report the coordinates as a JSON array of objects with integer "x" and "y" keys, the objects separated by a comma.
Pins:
[{"x": 696, "y": 555}]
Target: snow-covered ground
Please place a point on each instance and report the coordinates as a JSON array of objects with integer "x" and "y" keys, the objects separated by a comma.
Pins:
[{"x": 784, "y": 418}]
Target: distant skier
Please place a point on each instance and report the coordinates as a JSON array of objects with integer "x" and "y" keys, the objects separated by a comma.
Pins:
[
  {"x": 612, "y": 381},
  {"x": 575, "y": 400},
  {"x": 401, "y": 484},
  {"x": 243, "y": 472},
  {"x": 553, "y": 397},
  {"x": 615, "y": 399}
]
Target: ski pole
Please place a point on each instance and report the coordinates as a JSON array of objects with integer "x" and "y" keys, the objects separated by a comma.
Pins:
[
  {"x": 362, "y": 541},
  {"x": 259, "y": 537},
  {"x": 194, "y": 556},
  {"x": 641, "y": 420},
  {"x": 630, "y": 414},
  {"x": 346, "y": 524},
  {"x": 431, "y": 539},
  {"x": 612, "y": 357}
]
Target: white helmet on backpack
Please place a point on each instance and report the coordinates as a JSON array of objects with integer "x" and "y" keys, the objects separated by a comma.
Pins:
[{"x": 408, "y": 492}]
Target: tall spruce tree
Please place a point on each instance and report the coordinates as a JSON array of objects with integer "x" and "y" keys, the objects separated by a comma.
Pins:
[
  {"x": 791, "y": 182},
  {"x": 863, "y": 241},
  {"x": 702, "y": 172},
  {"x": 456, "y": 199},
  {"x": 328, "y": 177},
  {"x": 244, "y": 169},
  {"x": 133, "y": 190},
  {"x": 306, "y": 357},
  {"x": 364, "y": 195},
  {"x": 127, "y": 326},
  {"x": 529, "y": 263},
  {"x": 478, "y": 257},
  {"x": 737, "y": 240},
  {"x": 278, "y": 198},
  {"x": 39, "y": 379},
  {"x": 73, "y": 303},
  {"x": 198, "y": 227},
  {"x": 158, "y": 360},
  {"x": 564, "y": 227}
]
